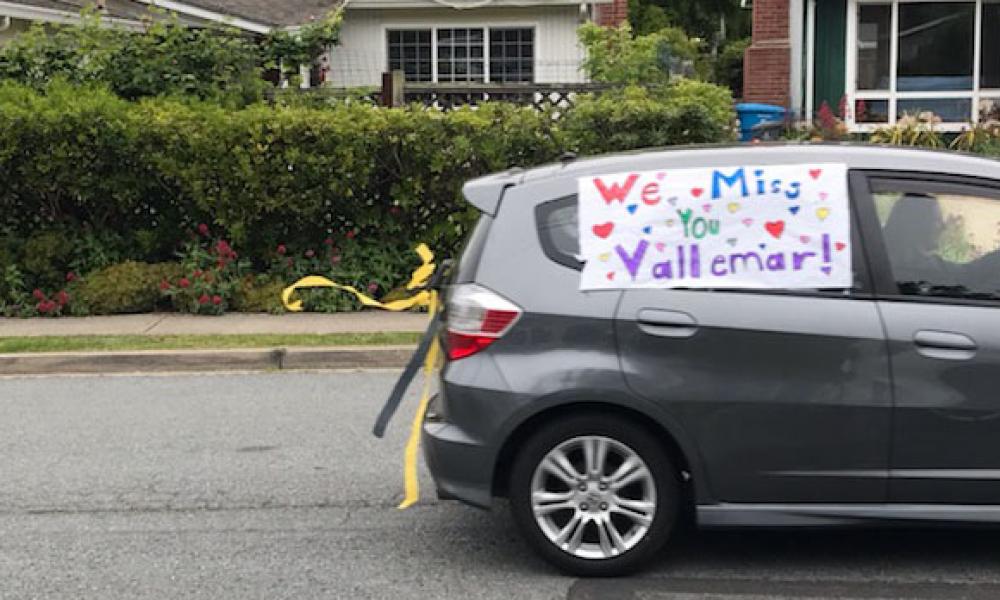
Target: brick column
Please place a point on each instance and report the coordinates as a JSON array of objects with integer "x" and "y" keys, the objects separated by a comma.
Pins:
[
  {"x": 613, "y": 14},
  {"x": 767, "y": 64}
]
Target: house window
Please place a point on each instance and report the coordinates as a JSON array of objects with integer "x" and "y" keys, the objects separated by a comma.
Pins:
[
  {"x": 464, "y": 54},
  {"x": 410, "y": 52},
  {"x": 460, "y": 55},
  {"x": 512, "y": 55},
  {"x": 908, "y": 57}
]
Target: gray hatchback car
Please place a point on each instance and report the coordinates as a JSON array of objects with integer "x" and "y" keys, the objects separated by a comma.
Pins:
[{"x": 607, "y": 417}]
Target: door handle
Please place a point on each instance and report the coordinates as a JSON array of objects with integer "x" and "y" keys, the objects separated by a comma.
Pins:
[
  {"x": 945, "y": 345},
  {"x": 667, "y": 323}
]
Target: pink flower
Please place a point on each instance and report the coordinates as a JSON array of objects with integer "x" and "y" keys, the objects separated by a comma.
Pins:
[
  {"x": 204, "y": 299},
  {"x": 184, "y": 282},
  {"x": 203, "y": 229},
  {"x": 197, "y": 273},
  {"x": 328, "y": 241},
  {"x": 372, "y": 287},
  {"x": 46, "y": 306},
  {"x": 335, "y": 259},
  {"x": 282, "y": 249},
  {"x": 310, "y": 254},
  {"x": 351, "y": 234},
  {"x": 62, "y": 298},
  {"x": 38, "y": 295},
  {"x": 70, "y": 277},
  {"x": 164, "y": 285},
  {"x": 216, "y": 300}
]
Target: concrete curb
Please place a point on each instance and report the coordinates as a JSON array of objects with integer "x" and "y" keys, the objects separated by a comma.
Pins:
[{"x": 160, "y": 361}]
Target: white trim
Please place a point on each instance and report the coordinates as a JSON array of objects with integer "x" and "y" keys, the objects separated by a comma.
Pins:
[
  {"x": 49, "y": 15},
  {"x": 210, "y": 15},
  {"x": 419, "y": 4},
  {"x": 501, "y": 24},
  {"x": 810, "y": 61},
  {"x": 796, "y": 8},
  {"x": 893, "y": 95}
]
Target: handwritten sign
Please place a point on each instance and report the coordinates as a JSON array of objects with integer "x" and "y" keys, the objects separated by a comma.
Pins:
[{"x": 778, "y": 226}]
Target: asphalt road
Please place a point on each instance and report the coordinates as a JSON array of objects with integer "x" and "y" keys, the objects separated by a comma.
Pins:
[{"x": 271, "y": 486}]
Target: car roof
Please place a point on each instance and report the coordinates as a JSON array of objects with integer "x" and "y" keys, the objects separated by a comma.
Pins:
[
  {"x": 485, "y": 192},
  {"x": 855, "y": 156}
]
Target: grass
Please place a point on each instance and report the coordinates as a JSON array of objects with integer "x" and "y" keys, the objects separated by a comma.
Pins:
[{"x": 109, "y": 343}]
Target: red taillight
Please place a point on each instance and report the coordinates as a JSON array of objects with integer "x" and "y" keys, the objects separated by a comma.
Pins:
[{"x": 476, "y": 317}]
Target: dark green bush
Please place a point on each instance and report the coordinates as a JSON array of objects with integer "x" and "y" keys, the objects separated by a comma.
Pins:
[
  {"x": 129, "y": 287},
  {"x": 90, "y": 180}
]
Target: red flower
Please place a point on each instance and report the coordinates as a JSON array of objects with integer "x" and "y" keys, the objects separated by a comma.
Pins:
[
  {"x": 197, "y": 273},
  {"x": 184, "y": 283},
  {"x": 164, "y": 285},
  {"x": 328, "y": 241},
  {"x": 310, "y": 254},
  {"x": 281, "y": 249},
  {"x": 62, "y": 298},
  {"x": 38, "y": 295},
  {"x": 216, "y": 300},
  {"x": 46, "y": 306},
  {"x": 351, "y": 234},
  {"x": 224, "y": 249},
  {"x": 204, "y": 299},
  {"x": 203, "y": 229},
  {"x": 70, "y": 277}
]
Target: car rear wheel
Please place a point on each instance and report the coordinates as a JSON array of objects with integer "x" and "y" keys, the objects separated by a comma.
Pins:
[{"x": 596, "y": 495}]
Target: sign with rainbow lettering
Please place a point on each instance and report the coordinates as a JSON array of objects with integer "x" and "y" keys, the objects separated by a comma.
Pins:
[{"x": 776, "y": 226}]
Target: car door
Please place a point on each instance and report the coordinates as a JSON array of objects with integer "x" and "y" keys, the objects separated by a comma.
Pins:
[
  {"x": 934, "y": 252},
  {"x": 786, "y": 394}
]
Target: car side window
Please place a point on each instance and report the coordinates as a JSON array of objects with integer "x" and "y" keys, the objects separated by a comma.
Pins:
[
  {"x": 559, "y": 230},
  {"x": 941, "y": 239}
]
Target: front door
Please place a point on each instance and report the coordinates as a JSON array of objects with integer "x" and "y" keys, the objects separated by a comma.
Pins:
[
  {"x": 934, "y": 249},
  {"x": 786, "y": 394}
]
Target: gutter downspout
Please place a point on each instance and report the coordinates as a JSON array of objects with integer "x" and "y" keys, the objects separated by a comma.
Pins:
[{"x": 5, "y": 23}]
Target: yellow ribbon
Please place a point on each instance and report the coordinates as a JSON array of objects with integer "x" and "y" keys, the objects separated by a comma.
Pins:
[{"x": 425, "y": 297}]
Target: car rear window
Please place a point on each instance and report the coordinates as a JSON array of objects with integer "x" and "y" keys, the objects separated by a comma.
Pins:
[{"x": 559, "y": 232}]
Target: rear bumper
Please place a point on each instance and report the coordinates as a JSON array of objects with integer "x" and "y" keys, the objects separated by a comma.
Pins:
[{"x": 462, "y": 469}]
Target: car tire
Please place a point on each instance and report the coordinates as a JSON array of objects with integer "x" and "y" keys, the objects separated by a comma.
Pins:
[{"x": 559, "y": 518}]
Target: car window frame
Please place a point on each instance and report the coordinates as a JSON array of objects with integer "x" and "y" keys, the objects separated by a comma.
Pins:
[{"x": 880, "y": 266}]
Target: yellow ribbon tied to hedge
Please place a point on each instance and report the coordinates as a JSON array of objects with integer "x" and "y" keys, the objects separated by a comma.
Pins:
[{"x": 427, "y": 354}]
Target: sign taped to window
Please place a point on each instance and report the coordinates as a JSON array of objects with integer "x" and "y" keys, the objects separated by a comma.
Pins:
[{"x": 761, "y": 227}]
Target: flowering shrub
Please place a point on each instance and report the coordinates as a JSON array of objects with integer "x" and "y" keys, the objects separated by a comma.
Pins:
[{"x": 211, "y": 275}]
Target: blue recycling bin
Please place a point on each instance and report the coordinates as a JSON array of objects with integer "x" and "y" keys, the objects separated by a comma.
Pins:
[{"x": 752, "y": 115}]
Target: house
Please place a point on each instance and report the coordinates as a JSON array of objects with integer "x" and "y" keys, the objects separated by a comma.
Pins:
[
  {"x": 878, "y": 59},
  {"x": 449, "y": 41},
  {"x": 440, "y": 41}
]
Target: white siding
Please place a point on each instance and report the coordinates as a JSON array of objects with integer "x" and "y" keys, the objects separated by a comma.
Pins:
[{"x": 361, "y": 57}]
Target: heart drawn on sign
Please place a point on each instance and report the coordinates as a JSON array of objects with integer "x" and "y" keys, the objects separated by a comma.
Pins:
[
  {"x": 827, "y": 269},
  {"x": 748, "y": 221},
  {"x": 661, "y": 175},
  {"x": 823, "y": 195},
  {"x": 840, "y": 246},
  {"x": 604, "y": 257},
  {"x": 647, "y": 230},
  {"x": 794, "y": 209},
  {"x": 733, "y": 206},
  {"x": 815, "y": 173},
  {"x": 632, "y": 208},
  {"x": 604, "y": 229},
  {"x": 822, "y": 212},
  {"x": 611, "y": 275},
  {"x": 706, "y": 207},
  {"x": 804, "y": 239},
  {"x": 775, "y": 228},
  {"x": 697, "y": 192},
  {"x": 660, "y": 246}
]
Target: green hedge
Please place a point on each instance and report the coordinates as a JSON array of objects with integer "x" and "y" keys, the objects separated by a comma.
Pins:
[{"x": 90, "y": 180}]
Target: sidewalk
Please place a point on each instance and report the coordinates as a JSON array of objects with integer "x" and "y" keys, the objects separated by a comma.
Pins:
[
  {"x": 236, "y": 323},
  {"x": 240, "y": 359}
]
